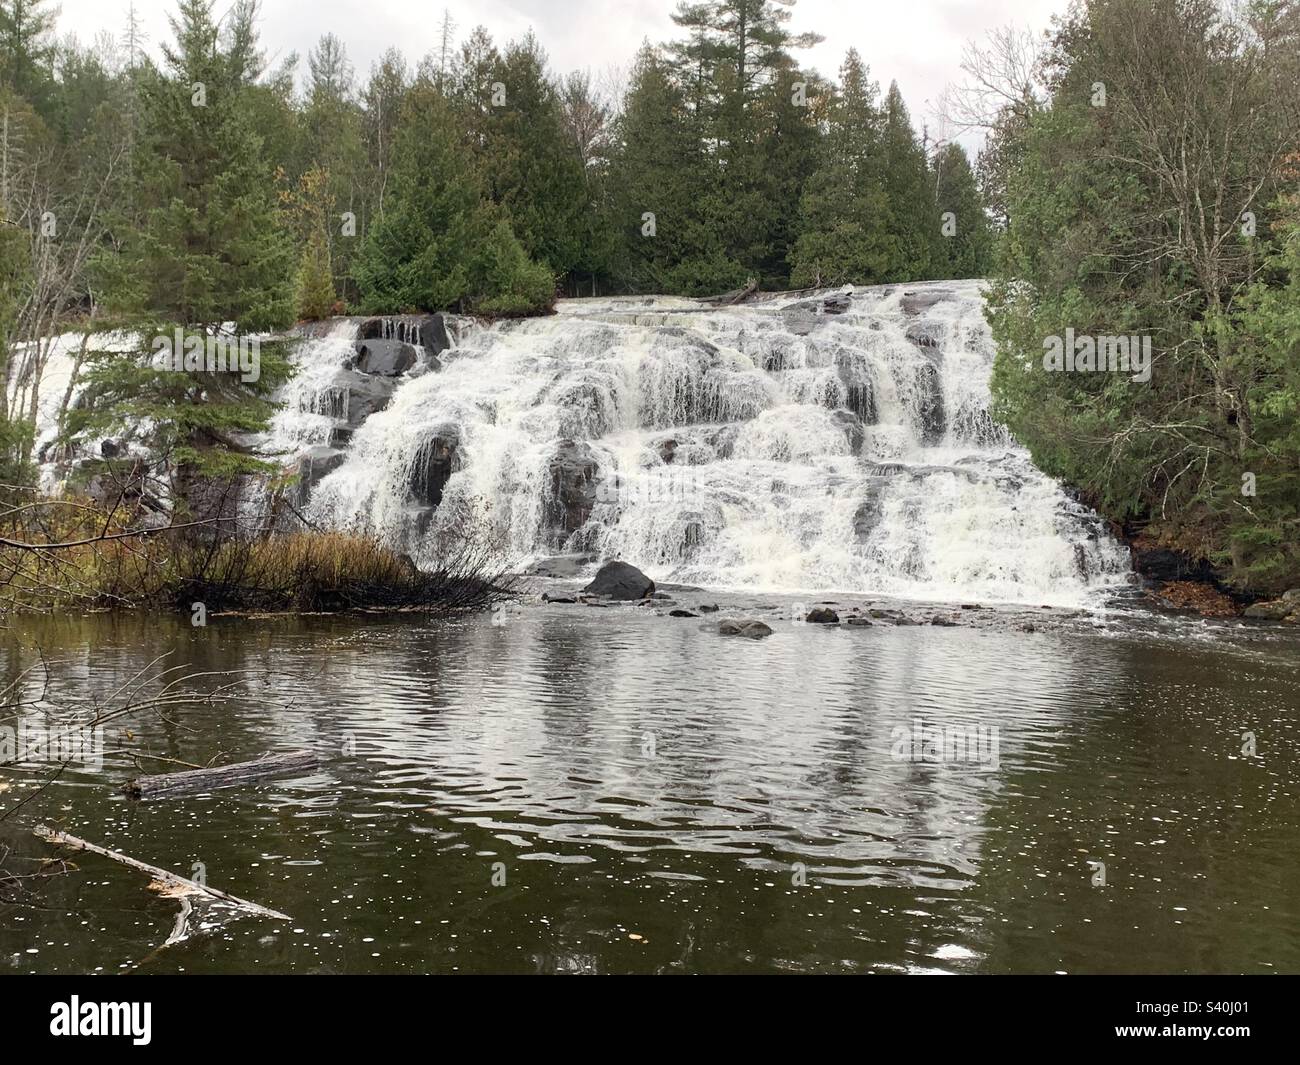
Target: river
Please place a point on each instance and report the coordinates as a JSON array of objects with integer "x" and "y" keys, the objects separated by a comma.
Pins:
[{"x": 574, "y": 789}]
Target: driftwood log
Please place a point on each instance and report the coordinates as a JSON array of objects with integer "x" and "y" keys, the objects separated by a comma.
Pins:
[
  {"x": 730, "y": 299},
  {"x": 165, "y": 785},
  {"x": 178, "y": 886}
]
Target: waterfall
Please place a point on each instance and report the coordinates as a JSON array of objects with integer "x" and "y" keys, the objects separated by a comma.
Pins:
[{"x": 838, "y": 441}]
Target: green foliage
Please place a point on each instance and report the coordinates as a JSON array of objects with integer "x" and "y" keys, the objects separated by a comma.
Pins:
[
  {"x": 844, "y": 209},
  {"x": 315, "y": 292},
  {"x": 1109, "y": 234},
  {"x": 441, "y": 243}
]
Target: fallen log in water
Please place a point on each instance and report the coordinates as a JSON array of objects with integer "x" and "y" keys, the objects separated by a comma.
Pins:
[
  {"x": 165, "y": 785},
  {"x": 178, "y": 886}
]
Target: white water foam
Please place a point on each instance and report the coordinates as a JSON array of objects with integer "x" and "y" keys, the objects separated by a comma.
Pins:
[{"x": 768, "y": 484}]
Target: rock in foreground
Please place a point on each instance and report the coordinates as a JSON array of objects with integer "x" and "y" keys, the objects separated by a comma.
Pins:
[
  {"x": 750, "y": 627},
  {"x": 618, "y": 580}
]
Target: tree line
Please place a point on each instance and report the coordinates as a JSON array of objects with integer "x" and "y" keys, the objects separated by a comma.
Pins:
[
  {"x": 208, "y": 186},
  {"x": 1146, "y": 159}
]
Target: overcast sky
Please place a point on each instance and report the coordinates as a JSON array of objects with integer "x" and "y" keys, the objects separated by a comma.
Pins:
[{"x": 916, "y": 42}]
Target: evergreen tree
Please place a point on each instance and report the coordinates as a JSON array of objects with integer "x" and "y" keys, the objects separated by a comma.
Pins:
[
  {"x": 663, "y": 192},
  {"x": 965, "y": 249},
  {"x": 532, "y": 169},
  {"x": 27, "y": 52},
  {"x": 441, "y": 243},
  {"x": 315, "y": 292},
  {"x": 913, "y": 227},
  {"x": 211, "y": 249},
  {"x": 844, "y": 236}
]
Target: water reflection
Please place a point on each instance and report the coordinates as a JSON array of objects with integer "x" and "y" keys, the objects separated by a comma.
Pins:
[{"x": 585, "y": 790}]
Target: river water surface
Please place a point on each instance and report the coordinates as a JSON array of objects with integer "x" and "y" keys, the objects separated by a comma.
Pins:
[{"x": 612, "y": 790}]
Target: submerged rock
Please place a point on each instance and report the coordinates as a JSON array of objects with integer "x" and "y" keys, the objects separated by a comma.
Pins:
[
  {"x": 682, "y": 614},
  {"x": 619, "y": 580},
  {"x": 561, "y": 566},
  {"x": 751, "y": 628}
]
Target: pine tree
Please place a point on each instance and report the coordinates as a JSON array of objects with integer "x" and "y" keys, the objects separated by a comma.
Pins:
[
  {"x": 440, "y": 243},
  {"x": 965, "y": 249},
  {"x": 844, "y": 235},
  {"x": 315, "y": 291},
  {"x": 27, "y": 52},
  {"x": 531, "y": 168},
  {"x": 211, "y": 249},
  {"x": 664, "y": 192},
  {"x": 913, "y": 222}
]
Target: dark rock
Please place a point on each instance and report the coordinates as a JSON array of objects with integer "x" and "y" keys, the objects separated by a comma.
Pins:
[
  {"x": 682, "y": 614},
  {"x": 692, "y": 537},
  {"x": 573, "y": 487},
  {"x": 751, "y": 628},
  {"x": 939, "y": 619},
  {"x": 1166, "y": 564},
  {"x": 660, "y": 595},
  {"x": 340, "y": 436},
  {"x": 867, "y": 516},
  {"x": 429, "y": 331},
  {"x": 823, "y": 616},
  {"x": 971, "y": 606},
  {"x": 619, "y": 580},
  {"x": 355, "y": 396},
  {"x": 667, "y": 449},
  {"x": 711, "y": 608},
  {"x": 437, "y": 460},
  {"x": 925, "y": 335},
  {"x": 851, "y": 424},
  {"x": 859, "y": 394},
  {"x": 837, "y": 304},
  {"x": 385, "y": 358},
  {"x": 557, "y": 598},
  {"x": 562, "y": 566},
  {"x": 917, "y": 302},
  {"x": 858, "y": 621},
  {"x": 906, "y": 621},
  {"x": 799, "y": 319},
  {"x": 313, "y": 465},
  {"x": 109, "y": 449},
  {"x": 1274, "y": 611},
  {"x": 931, "y": 404}
]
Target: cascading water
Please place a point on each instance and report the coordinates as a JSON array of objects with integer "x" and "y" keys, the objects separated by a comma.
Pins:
[{"x": 834, "y": 442}]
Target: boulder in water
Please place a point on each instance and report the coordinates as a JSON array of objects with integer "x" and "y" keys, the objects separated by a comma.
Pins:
[
  {"x": 385, "y": 358},
  {"x": 751, "y": 628},
  {"x": 355, "y": 396},
  {"x": 930, "y": 406},
  {"x": 436, "y": 462},
  {"x": 682, "y": 614},
  {"x": 562, "y": 566},
  {"x": 573, "y": 471},
  {"x": 1274, "y": 611},
  {"x": 853, "y": 431},
  {"x": 619, "y": 580},
  {"x": 313, "y": 465},
  {"x": 821, "y": 615},
  {"x": 917, "y": 302}
]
